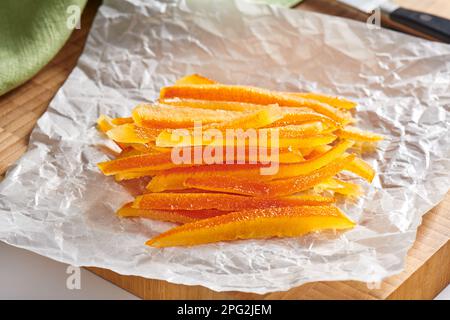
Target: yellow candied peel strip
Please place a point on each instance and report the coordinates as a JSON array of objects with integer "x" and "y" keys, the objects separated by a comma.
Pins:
[
  {"x": 339, "y": 186},
  {"x": 131, "y": 133},
  {"x": 251, "y": 95},
  {"x": 213, "y": 105},
  {"x": 173, "y": 179},
  {"x": 122, "y": 176},
  {"x": 253, "y": 120},
  {"x": 194, "y": 79},
  {"x": 166, "y": 140},
  {"x": 163, "y": 116},
  {"x": 105, "y": 123},
  {"x": 337, "y": 102},
  {"x": 255, "y": 224},
  {"x": 358, "y": 166},
  {"x": 311, "y": 134},
  {"x": 358, "y": 135},
  {"x": 119, "y": 121}
]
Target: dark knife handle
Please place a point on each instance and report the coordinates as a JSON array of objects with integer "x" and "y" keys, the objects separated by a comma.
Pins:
[{"x": 429, "y": 24}]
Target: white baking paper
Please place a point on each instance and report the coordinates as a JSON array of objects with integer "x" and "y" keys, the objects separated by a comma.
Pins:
[{"x": 55, "y": 202}]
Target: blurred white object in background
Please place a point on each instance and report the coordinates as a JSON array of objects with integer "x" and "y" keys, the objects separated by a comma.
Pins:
[{"x": 27, "y": 275}]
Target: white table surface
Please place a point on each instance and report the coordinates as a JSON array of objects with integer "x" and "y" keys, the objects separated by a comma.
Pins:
[{"x": 26, "y": 275}]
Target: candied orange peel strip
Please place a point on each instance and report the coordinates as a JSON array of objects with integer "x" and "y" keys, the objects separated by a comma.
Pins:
[
  {"x": 220, "y": 201},
  {"x": 356, "y": 134},
  {"x": 194, "y": 79},
  {"x": 144, "y": 162},
  {"x": 130, "y": 133},
  {"x": 212, "y": 105},
  {"x": 162, "y": 116},
  {"x": 337, "y": 102},
  {"x": 173, "y": 179},
  {"x": 299, "y": 136},
  {"x": 119, "y": 121},
  {"x": 292, "y": 116},
  {"x": 339, "y": 186},
  {"x": 252, "y": 120},
  {"x": 250, "y": 95},
  {"x": 255, "y": 224},
  {"x": 134, "y": 175},
  {"x": 178, "y": 216},
  {"x": 361, "y": 168},
  {"x": 132, "y": 151},
  {"x": 274, "y": 188},
  {"x": 134, "y": 164},
  {"x": 105, "y": 123},
  {"x": 358, "y": 166},
  {"x": 185, "y": 137},
  {"x": 308, "y": 166}
]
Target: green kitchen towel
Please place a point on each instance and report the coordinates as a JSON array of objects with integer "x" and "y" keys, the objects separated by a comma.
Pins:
[{"x": 31, "y": 33}]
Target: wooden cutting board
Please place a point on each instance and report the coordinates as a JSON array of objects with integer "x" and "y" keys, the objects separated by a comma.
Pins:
[{"x": 428, "y": 264}]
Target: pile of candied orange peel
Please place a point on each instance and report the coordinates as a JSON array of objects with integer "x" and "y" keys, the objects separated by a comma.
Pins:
[{"x": 229, "y": 201}]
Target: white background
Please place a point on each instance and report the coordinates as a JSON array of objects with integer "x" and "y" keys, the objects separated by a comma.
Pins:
[{"x": 27, "y": 275}]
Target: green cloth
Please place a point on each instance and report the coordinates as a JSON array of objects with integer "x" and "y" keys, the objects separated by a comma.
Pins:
[{"x": 31, "y": 33}]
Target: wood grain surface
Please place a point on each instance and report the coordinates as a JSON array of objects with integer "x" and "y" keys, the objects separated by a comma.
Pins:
[
  {"x": 436, "y": 7},
  {"x": 428, "y": 263}
]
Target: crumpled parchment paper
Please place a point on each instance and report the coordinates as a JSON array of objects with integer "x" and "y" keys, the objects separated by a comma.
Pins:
[{"x": 55, "y": 202}]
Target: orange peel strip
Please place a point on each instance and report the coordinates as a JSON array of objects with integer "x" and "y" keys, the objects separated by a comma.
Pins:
[
  {"x": 213, "y": 105},
  {"x": 133, "y": 150},
  {"x": 255, "y": 224},
  {"x": 144, "y": 162},
  {"x": 220, "y": 201},
  {"x": 134, "y": 164},
  {"x": 253, "y": 120},
  {"x": 285, "y": 139},
  {"x": 174, "y": 179},
  {"x": 358, "y": 166},
  {"x": 119, "y": 121},
  {"x": 165, "y": 137},
  {"x": 194, "y": 79},
  {"x": 128, "y": 152},
  {"x": 274, "y": 188},
  {"x": 290, "y": 156},
  {"x": 134, "y": 175},
  {"x": 130, "y": 133},
  {"x": 148, "y": 147},
  {"x": 308, "y": 166},
  {"x": 339, "y": 186},
  {"x": 337, "y": 102},
  {"x": 292, "y": 116},
  {"x": 162, "y": 116},
  {"x": 353, "y": 133},
  {"x": 361, "y": 168},
  {"x": 105, "y": 123},
  {"x": 250, "y": 95},
  {"x": 178, "y": 216}
]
